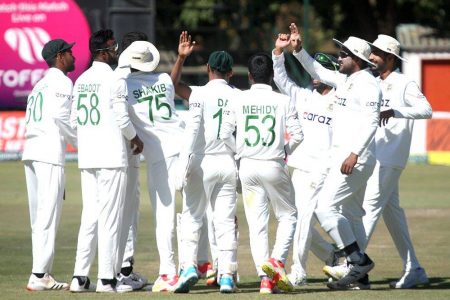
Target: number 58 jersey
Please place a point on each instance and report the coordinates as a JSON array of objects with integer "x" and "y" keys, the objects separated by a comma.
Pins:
[{"x": 152, "y": 111}]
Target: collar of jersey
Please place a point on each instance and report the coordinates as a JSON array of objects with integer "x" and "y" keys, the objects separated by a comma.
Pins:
[
  {"x": 260, "y": 86},
  {"x": 218, "y": 81},
  {"x": 99, "y": 64}
]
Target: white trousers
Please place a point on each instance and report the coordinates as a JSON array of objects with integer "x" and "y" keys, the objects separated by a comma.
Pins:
[
  {"x": 382, "y": 198},
  {"x": 128, "y": 235},
  {"x": 103, "y": 192},
  {"x": 212, "y": 179},
  {"x": 45, "y": 186},
  {"x": 265, "y": 182},
  {"x": 307, "y": 186},
  {"x": 161, "y": 188},
  {"x": 339, "y": 207}
]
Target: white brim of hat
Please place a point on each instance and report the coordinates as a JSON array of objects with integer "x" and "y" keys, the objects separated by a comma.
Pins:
[
  {"x": 355, "y": 54},
  {"x": 398, "y": 56},
  {"x": 144, "y": 67}
]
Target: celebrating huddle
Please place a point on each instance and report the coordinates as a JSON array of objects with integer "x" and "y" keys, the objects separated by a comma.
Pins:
[{"x": 346, "y": 141}]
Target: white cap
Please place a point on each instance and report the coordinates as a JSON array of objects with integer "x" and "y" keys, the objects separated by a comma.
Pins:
[
  {"x": 388, "y": 44},
  {"x": 140, "y": 55},
  {"x": 358, "y": 47}
]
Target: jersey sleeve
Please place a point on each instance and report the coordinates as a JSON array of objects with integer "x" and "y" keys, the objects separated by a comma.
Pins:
[
  {"x": 229, "y": 125},
  {"x": 119, "y": 96},
  {"x": 316, "y": 70},
  {"x": 286, "y": 85},
  {"x": 370, "y": 96},
  {"x": 62, "y": 111},
  {"x": 417, "y": 107},
  {"x": 293, "y": 128},
  {"x": 193, "y": 122}
]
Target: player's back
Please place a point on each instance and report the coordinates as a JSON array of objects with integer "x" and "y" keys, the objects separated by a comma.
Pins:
[
  {"x": 206, "y": 108},
  {"x": 261, "y": 123},
  {"x": 100, "y": 141},
  {"x": 152, "y": 111}
]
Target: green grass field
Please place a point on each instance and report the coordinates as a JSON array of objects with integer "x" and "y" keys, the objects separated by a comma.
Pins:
[{"x": 425, "y": 193}]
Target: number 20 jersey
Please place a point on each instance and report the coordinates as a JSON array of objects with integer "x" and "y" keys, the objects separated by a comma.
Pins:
[{"x": 152, "y": 111}]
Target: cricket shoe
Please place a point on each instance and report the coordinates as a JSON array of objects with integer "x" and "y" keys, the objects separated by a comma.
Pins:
[
  {"x": 188, "y": 278},
  {"x": 134, "y": 280},
  {"x": 410, "y": 279},
  {"x": 45, "y": 283},
  {"x": 336, "y": 272},
  {"x": 297, "y": 278},
  {"x": 227, "y": 284},
  {"x": 81, "y": 284},
  {"x": 355, "y": 272},
  {"x": 361, "y": 284},
  {"x": 106, "y": 286},
  {"x": 165, "y": 283},
  {"x": 206, "y": 271},
  {"x": 275, "y": 270},
  {"x": 268, "y": 286}
]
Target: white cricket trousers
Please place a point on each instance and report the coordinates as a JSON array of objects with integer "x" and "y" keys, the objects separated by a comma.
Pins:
[
  {"x": 307, "y": 186},
  {"x": 103, "y": 192},
  {"x": 212, "y": 179},
  {"x": 382, "y": 198},
  {"x": 264, "y": 182},
  {"x": 339, "y": 206},
  {"x": 128, "y": 236},
  {"x": 45, "y": 186},
  {"x": 161, "y": 189}
]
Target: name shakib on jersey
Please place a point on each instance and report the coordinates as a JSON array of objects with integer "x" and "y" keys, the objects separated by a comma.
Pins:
[
  {"x": 88, "y": 88},
  {"x": 150, "y": 90},
  {"x": 259, "y": 109},
  {"x": 315, "y": 117}
]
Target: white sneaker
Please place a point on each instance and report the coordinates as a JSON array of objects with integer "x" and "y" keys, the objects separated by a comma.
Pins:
[
  {"x": 81, "y": 284},
  {"x": 411, "y": 279},
  {"x": 135, "y": 281},
  {"x": 105, "y": 288},
  {"x": 297, "y": 279},
  {"x": 356, "y": 272},
  {"x": 165, "y": 283},
  {"x": 336, "y": 272},
  {"x": 45, "y": 283}
]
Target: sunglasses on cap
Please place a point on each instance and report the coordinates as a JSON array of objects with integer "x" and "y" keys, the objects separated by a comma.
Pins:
[
  {"x": 344, "y": 54},
  {"x": 113, "y": 47}
]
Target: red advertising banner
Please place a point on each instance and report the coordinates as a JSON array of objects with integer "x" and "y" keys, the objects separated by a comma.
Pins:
[
  {"x": 25, "y": 27},
  {"x": 12, "y": 132}
]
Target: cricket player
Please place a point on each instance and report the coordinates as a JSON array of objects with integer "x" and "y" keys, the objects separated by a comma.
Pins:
[
  {"x": 261, "y": 117},
  {"x": 309, "y": 171},
  {"x": 100, "y": 114},
  {"x": 47, "y": 133},
  {"x": 208, "y": 175},
  {"x": 128, "y": 236},
  {"x": 207, "y": 232},
  {"x": 402, "y": 103},
  {"x": 152, "y": 110},
  {"x": 355, "y": 120}
]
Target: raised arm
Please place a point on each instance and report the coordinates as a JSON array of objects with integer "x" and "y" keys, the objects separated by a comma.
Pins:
[
  {"x": 316, "y": 70},
  {"x": 185, "y": 48}
]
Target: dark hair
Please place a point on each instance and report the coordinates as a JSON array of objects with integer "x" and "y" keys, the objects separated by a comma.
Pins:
[
  {"x": 131, "y": 37},
  {"x": 99, "y": 39},
  {"x": 260, "y": 66},
  {"x": 51, "y": 62}
]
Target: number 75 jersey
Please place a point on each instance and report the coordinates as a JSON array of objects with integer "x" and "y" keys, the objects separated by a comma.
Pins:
[{"x": 152, "y": 111}]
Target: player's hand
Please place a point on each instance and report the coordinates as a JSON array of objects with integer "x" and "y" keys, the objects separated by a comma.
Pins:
[
  {"x": 186, "y": 45},
  {"x": 282, "y": 42},
  {"x": 296, "y": 39},
  {"x": 136, "y": 145},
  {"x": 349, "y": 163},
  {"x": 385, "y": 116}
]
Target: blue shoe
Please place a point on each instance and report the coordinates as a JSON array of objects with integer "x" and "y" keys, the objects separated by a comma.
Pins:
[
  {"x": 188, "y": 278},
  {"x": 227, "y": 284}
]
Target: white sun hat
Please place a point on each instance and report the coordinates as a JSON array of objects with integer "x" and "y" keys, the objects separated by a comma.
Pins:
[
  {"x": 387, "y": 44},
  {"x": 140, "y": 55},
  {"x": 357, "y": 47}
]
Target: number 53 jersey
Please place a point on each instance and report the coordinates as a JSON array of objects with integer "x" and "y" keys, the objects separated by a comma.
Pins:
[{"x": 152, "y": 111}]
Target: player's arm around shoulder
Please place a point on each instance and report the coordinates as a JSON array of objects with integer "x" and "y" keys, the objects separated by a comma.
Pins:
[
  {"x": 229, "y": 121},
  {"x": 417, "y": 107}
]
